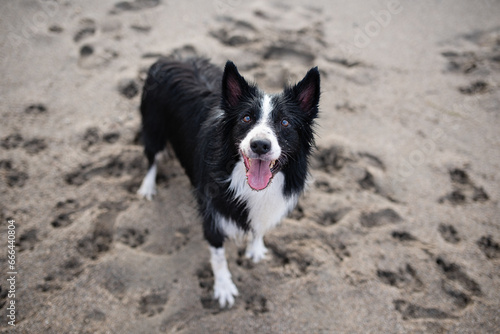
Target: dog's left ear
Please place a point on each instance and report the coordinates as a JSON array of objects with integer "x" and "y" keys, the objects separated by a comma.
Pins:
[
  {"x": 234, "y": 85},
  {"x": 307, "y": 92}
]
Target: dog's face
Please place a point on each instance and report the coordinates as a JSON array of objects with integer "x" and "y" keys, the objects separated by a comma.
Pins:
[{"x": 270, "y": 131}]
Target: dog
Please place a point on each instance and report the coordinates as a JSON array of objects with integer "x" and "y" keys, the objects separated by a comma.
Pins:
[{"x": 245, "y": 152}]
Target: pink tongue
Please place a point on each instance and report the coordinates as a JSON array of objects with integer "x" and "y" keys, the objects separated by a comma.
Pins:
[{"x": 259, "y": 174}]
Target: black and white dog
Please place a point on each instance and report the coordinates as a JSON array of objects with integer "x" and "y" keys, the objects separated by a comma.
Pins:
[{"x": 245, "y": 152}]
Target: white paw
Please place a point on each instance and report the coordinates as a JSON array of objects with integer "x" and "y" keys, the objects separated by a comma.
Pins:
[
  {"x": 148, "y": 185},
  {"x": 256, "y": 251},
  {"x": 147, "y": 191},
  {"x": 225, "y": 291}
]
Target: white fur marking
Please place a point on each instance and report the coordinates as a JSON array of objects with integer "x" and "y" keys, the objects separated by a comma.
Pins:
[
  {"x": 263, "y": 130},
  {"x": 148, "y": 186},
  {"x": 267, "y": 108},
  {"x": 231, "y": 229},
  {"x": 256, "y": 249},
  {"x": 224, "y": 288},
  {"x": 266, "y": 207}
]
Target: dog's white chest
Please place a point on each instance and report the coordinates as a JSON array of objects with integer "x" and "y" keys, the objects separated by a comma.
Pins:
[{"x": 267, "y": 207}]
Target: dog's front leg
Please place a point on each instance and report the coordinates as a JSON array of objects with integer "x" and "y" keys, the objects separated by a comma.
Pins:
[
  {"x": 224, "y": 288},
  {"x": 256, "y": 249}
]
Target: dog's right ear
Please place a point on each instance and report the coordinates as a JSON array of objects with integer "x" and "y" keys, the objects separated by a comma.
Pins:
[{"x": 234, "y": 85}]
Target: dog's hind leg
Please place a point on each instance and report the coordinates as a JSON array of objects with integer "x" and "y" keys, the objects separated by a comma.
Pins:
[{"x": 148, "y": 185}]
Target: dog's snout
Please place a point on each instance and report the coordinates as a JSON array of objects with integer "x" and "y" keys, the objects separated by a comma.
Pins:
[{"x": 260, "y": 146}]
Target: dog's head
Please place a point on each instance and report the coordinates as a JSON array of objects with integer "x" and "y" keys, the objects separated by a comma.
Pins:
[{"x": 271, "y": 132}]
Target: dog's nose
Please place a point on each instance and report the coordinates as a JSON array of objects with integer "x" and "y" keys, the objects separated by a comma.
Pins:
[{"x": 260, "y": 146}]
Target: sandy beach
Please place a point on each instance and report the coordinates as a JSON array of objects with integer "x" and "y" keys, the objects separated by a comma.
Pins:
[{"x": 398, "y": 232}]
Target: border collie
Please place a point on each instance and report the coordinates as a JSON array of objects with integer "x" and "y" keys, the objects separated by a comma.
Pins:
[{"x": 245, "y": 152}]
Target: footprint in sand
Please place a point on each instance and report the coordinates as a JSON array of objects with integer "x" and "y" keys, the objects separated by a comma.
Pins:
[
  {"x": 11, "y": 141},
  {"x": 136, "y": 5},
  {"x": 12, "y": 176},
  {"x": 100, "y": 240},
  {"x": 66, "y": 272},
  {"x": 454, "y": 272},
  {"x": 27, "y": 240},
  {"x": 128, "y": 162},
  {"x": 489, "y": 247},
  {"x": 36, "y": 109},
  {"x": 92, "y": 57},
  {"x": 257, "y": 304},
  {"x": 464, "y": 190},
  {"x": 128, "y": 88},
  {"x": 476, "y": 87},
  {"x": 235, "y": 32},
  {"x": 404, "y": 278},
  {"x": 411, "y": 311},
  {"x": 153, "y": 304},
  {"x": 86, "y": 28},
  {"x": 132, "y": 237},
  {"x": 449, "y": 233},
  {"x": 93, "y": 136},
  {"x": 332, "y": 216},
  {"x": 64, "y": 213},
  {"x": 402, "y": 236},
  {"x": 379, "y": 218},
  {"x": 32, "y": 146}
]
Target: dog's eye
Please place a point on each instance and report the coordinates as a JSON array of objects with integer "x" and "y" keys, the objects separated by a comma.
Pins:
[
  {"x": 247, "y": 119},
  {"x": 285, "y": 123}
]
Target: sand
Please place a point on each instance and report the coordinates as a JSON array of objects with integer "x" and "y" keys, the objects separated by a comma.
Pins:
[{"x": 397, "y": 233}]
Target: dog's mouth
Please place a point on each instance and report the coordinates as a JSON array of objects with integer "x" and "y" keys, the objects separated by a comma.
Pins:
[{"x": 260, "y": 172}]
